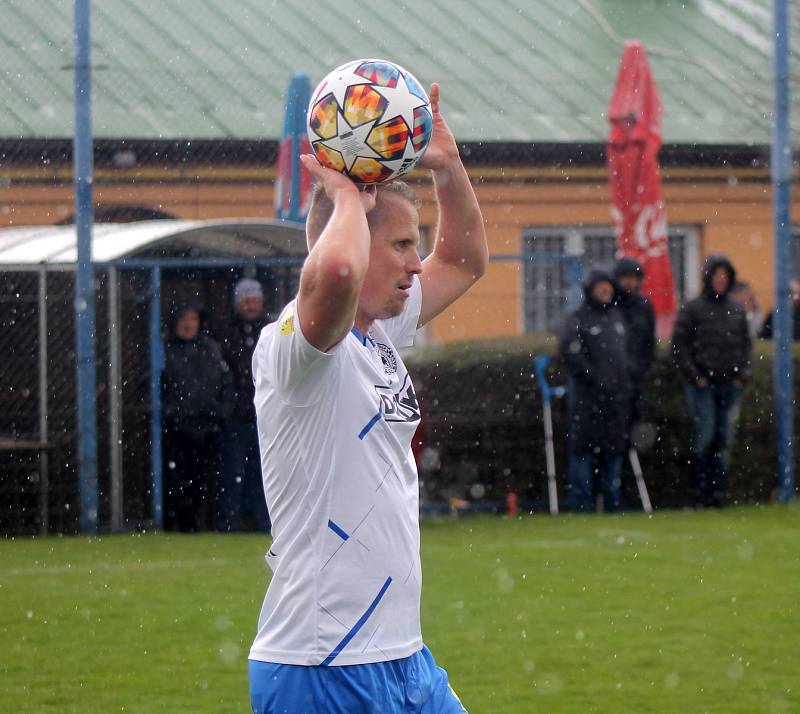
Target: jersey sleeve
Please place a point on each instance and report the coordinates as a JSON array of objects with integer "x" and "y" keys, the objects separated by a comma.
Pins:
[
  {"x": 402, "y": 329},
  {"x": 298, "y": 371}
]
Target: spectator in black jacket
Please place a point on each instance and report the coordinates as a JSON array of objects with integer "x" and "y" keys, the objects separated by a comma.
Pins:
[
  {"x": 711, "y": 346},
  {"x": 765, "y": 333},
  {"x": 197, "y": 398},
  {"x": 640, "y": 325},
  {"x": 241, "y": 501},
  {"x": 595, "y": 354}
]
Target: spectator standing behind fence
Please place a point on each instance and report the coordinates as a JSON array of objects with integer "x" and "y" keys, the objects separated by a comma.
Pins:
[
  {"x": 743, "y": 293},
  {"x": 241, "y": 493},
  {"x": 594, "y": 350},
  {"x": 766, "y": 329},
  {"x": 197, "y": 398},
  {"x": 711, "y": 347},
  {"x": 640, "y": 325}
]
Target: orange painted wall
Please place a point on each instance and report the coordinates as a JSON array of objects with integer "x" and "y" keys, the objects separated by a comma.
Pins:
[{"x": 732, "y": 215}]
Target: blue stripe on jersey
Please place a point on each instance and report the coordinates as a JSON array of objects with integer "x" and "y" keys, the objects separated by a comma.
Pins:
[
  {"x": 338, "y": 531},
  {"x": 372, "y": 422},
  {"x": 361, "y": 620}
]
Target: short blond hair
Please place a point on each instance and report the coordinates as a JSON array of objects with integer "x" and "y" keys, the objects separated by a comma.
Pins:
[{"x": 321, "y": 208}]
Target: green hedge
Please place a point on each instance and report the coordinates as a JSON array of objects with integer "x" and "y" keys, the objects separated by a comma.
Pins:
[{"x": 482, "y": 410}]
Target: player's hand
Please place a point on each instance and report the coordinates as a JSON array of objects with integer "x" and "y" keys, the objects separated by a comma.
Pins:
[
  {"x": 442, "y": 149},
  {"x": 337, "y": 185},
  {"x": 702, "y": 382}
]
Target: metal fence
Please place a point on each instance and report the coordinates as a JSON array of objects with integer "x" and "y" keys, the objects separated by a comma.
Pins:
[
  {"x": 38, "y": 470},
  {"x": 39, "y": 489}
]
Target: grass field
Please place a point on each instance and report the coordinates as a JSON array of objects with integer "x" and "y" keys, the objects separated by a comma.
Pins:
[{"x": 679, "y": 612}]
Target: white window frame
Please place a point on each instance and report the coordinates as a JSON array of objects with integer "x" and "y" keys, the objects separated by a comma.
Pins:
[{"x": 574, "y": 244}]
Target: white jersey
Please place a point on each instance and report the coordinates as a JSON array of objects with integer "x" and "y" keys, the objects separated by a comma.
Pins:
[{"x": 340, "y": 480}]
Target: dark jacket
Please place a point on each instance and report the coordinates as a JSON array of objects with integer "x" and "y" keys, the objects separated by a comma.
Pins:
[
  {"x": 640, "y": 321},
  {"x": 196, "y": 386},
  {"x": 640, "y": 326},
  {"x": 594, "y": 351},
  {"x": 238, "y": 340},
  {"x": 766, "y": 331},
  {"x": 711, "y": 338}
]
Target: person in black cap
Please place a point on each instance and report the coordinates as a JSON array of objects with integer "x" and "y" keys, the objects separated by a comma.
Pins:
[
  {"x": 711, "y": 347},
  {"x": 594, "y": 350},
  {"x": 240, "y": 501},
  {"x": 197, "y": 398},
  {"x": 640, "y": 324}
]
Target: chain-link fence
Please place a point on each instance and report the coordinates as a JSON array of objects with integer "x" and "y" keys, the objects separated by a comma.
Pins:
[
  {"x": 38, "y": 439},
  {"x": 37, "y": 387}
]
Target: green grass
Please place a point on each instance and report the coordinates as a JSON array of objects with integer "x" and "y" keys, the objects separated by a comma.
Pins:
[{"x": 679, "y": 612}]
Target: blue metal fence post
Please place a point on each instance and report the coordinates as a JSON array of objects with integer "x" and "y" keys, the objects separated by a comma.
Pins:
[
  {"x": 156, "y": 366},
  {"x": 84, "y": 273},
  {"x": 299, "y": 95},
  {"x": 574, "y": 274},
  {"x": 781, "y": 203}
]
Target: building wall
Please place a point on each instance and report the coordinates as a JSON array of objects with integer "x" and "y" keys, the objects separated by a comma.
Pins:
[
  {"x": 730, "y": 209},
  {"x": 731, "y": 217}
]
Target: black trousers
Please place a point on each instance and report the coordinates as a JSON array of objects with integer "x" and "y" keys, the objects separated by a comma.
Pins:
[{"x": 191, "y": 472}]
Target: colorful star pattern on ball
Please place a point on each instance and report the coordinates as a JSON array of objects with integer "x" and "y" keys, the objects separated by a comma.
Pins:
[
  {"x": 384, "y": 74},
  {"x": 363, "y": 103},
  {"x": 369, "y": 119},
  {"x": 389, "y": 139},
  {"x": 423, "y": 127}
]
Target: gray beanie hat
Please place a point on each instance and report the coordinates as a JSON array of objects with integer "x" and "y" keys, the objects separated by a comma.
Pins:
[{"x": 246, "y": 288}]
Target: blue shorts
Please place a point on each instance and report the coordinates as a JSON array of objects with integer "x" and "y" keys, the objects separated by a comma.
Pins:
[{"x": 402, "y": 686}]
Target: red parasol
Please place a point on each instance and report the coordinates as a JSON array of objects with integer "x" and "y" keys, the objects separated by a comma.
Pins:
[{"x": 636, "y": 200}]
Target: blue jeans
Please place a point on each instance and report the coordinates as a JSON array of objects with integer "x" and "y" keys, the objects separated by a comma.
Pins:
[
  {"x": 713, "y": 412},
  {"x": 240, "y": 499},
  {"x": 581, "y": 468}
]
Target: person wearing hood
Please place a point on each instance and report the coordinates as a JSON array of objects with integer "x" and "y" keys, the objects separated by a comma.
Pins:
[
  {"x": 197, "y": 397},
  {"x": 594, "y": 350},
  {"x": 241, "y": 501},
  {"x": 711, "y": 347}
]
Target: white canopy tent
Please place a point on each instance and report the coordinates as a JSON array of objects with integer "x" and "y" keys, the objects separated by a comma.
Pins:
[{"x": 235, "y": 238}]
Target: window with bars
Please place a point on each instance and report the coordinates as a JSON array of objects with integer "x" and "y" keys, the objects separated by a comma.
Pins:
[{"x": 557, "y": 258}]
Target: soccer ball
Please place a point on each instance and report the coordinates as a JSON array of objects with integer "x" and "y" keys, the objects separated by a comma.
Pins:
[{"x": 369, "y": 119}]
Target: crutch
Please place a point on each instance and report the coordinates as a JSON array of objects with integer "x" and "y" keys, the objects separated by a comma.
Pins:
[
  {"x": 539, "y": 367},
  {"x": 636, "y": 467}
]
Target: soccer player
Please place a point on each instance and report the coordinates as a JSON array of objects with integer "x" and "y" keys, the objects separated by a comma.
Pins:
[{"x": 339, "y": 629}]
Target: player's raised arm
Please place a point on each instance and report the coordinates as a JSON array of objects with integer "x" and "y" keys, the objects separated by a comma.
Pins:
[
  {"x": 337, "y": 262},
  {"x": 460, "y": 253}
]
